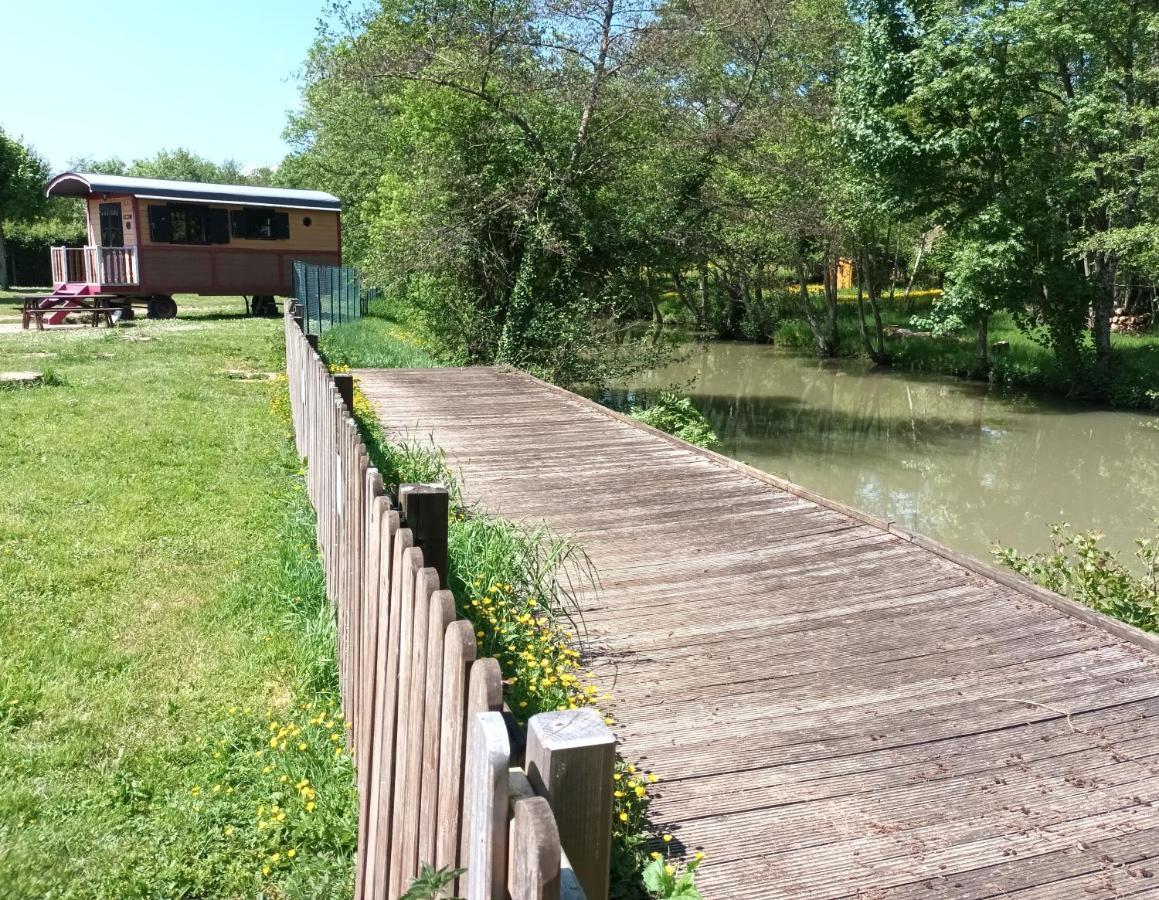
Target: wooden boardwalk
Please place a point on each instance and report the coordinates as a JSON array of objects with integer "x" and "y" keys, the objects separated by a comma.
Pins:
[{"x": 835, "y": 711}]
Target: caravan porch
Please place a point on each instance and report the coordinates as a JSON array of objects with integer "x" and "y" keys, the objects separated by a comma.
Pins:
[{"x": 101, "y": 266}]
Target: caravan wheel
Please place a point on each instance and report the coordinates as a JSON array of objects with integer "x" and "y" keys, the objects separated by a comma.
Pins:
[
  {"x": 264, "y": 305},
  {"x": 162, "y": 306}
]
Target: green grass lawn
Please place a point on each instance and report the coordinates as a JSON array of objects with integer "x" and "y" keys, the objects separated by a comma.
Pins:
[{"x": 167, "y": 675}]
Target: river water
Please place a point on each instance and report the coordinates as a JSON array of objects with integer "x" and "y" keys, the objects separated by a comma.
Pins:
[{"x": 943, "y": 457}]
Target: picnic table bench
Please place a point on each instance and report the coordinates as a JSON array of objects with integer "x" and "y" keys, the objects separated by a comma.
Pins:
[{"x": 92, "y": 311}]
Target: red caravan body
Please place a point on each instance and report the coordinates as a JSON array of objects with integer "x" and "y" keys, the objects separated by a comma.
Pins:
[{"x": 149, "y": 237}]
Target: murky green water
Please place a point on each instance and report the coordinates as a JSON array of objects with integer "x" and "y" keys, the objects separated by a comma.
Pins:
[{"x": 943, "y": 457}]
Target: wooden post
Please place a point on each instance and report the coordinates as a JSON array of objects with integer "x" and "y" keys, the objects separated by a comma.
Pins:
[
  {"x": 441, "y": 615},
  {"x": 533, "y": 860},
  {"x": 484, "y": 694},
  {"x": 458, "y": 654},
  {"x": 424, "y": 509},
  {"x": 485, "y": 808},
  {"x": 571, "y": 755},
  {"x": 345, "y": 384}
]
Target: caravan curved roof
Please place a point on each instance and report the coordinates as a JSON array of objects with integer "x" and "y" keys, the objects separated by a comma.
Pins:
[{"x": 84, "y": 184}]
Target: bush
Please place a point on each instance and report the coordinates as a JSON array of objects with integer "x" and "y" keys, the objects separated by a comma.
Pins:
[
  {"x": 677, "y": 416},
  {"x": 1080, "y": 568}
]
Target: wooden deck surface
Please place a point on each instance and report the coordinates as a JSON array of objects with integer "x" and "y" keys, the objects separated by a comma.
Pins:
[{"x": 834, "y": 711}]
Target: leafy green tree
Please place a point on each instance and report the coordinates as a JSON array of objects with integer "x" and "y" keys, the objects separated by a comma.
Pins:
[
  {"x": 22, "y": 178},
  {"x": 177, "y": 165},
  {"x": 1022, "y": 130},
  {"x": 511, "y": 172}
]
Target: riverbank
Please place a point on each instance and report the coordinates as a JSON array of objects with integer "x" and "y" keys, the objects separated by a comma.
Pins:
[
  {"x": 168, "y": 672},
  {"x": 1016, "y": 361}
]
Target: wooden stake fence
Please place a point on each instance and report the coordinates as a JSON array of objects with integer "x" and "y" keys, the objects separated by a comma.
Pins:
[{"x": 428, "y": 733}]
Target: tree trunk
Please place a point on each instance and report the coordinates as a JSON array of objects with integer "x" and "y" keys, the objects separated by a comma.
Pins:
[
  {"x": 982, "y": 351},
  {"x": 3, "y": 261},
  {"x": 824, "y": 336},
  {"x": 686, "y": 297},
  {"x": 1101, "y": 310},
  {"x": 703, "y": 299},
  {"x": 909, "y": 305},
  {"x": 867, "y": 287}
]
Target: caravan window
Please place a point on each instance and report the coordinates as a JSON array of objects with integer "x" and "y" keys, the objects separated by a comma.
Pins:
[
  {"x": 260, "y": 224},
  {"x": 181, "y": 224}
]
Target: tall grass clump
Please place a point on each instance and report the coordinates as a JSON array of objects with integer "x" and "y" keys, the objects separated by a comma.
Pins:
[
  {"x": 375, "y": 343},
  {"x": 1079, "y": 567}
]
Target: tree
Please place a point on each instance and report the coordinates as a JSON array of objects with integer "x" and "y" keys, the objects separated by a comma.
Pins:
[
  {"x": 177, "y": 165},
  {"x": 509, "y": 165},
  {"x": 22, "y": 178},
  {"x": 1023, "y": 130}
]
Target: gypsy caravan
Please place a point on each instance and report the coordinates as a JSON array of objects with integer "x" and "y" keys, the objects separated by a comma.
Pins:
[{"x": 150, "y": 238}]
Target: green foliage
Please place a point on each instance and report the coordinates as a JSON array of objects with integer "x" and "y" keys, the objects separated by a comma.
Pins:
[
  {"x": 1080, "y": 568},
  {"x": 666, "y": 879},
  {"x": 177, "y": 165},
  {"x": 677, "y": 416},
  {"x": 22, "y": 177},
  {"x": 432, "y": 884}
]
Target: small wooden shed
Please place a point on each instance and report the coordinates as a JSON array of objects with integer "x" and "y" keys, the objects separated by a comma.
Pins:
[{"x": 150, "y": 238}]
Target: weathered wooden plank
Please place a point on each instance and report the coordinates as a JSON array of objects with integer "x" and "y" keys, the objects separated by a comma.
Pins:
[
  {"x": 408, "y": 742},
  {"x": 458, "y": 654},
  {"x": 440, "y": 616},
  {"x": 485, "y": 807}
]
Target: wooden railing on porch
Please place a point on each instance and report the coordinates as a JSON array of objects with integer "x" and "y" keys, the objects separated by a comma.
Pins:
[
  {"x": 438, "y": 783},
  {"x": 107, "y": 266}
]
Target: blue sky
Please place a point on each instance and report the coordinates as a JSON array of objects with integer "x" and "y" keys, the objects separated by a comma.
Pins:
[{"x": 128, "y": 77}]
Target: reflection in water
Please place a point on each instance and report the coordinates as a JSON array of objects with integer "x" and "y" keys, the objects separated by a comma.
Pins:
[{"x": 942, "y": 457}]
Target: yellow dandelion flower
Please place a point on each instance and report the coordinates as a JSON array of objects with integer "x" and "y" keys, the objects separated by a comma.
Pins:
[
  {"x": 265, "y": 870},
  {"x": 310, "y": 806},
  {"x": 640, "y": 790},
  {"x": 623, "y": 817},
  {"x": 699, "y": 854},
  {"x": 303, "y": 745},
  {"x": 654, "y": 854},
  {"x": 229, "y": 830},
  {"x": 195, "y": 791},
  {"x": 291, "y": 853},
  {"x": 669, "y": 869},
  {"x": 665, "y": 837},
  {"x": 652, "y": 777}
]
